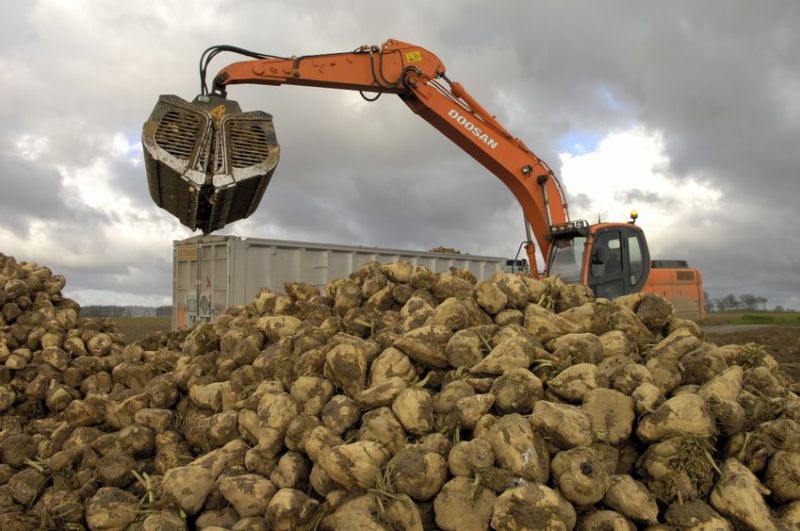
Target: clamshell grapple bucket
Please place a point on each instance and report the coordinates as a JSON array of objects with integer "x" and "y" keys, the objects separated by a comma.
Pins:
[{"x": 207, "y": 162}]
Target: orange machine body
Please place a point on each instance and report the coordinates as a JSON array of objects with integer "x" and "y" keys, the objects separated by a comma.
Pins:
[{"x": 683, "y": 286}]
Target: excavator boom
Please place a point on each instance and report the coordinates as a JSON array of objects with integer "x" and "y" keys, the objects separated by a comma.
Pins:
[
  {"x": 209, "y": 164},
  {"x": 223, "y": 188}
]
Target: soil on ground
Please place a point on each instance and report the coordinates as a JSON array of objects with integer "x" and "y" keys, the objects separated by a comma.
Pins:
[
  {"x": 137, "y": 328},
  {"x": 783, "y": 342}
]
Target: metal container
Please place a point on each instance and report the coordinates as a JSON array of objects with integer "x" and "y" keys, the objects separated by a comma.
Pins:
[
  {"x": 207, "y": 162},
  {"x": 213, "y": 273}
]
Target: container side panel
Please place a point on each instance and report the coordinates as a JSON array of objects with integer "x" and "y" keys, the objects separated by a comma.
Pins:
[
  {"x": 361, "y": 259},
  {"x": 238, "y": 279},
  {"x": 219, "y": 293},
  {"x": 285, "y": 266},
  {"x": 258, "y": 265},
  {"x": 313, "y": 268},
  {"x": 340, "y": 264},
  {"x": 233, "y": 270},
  {"x": 428, "y": 262}
]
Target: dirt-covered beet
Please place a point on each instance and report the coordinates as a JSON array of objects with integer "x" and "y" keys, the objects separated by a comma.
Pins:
[
  {"x": 581, "y": 476},
  {"x": 531, "y": 507}
]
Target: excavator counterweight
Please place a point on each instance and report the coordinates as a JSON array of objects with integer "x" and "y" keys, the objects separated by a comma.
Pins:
[{"x": 207, "y": 162}]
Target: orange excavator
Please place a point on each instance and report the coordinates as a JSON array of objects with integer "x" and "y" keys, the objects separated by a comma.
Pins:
[{"x": 208, "y": 163}]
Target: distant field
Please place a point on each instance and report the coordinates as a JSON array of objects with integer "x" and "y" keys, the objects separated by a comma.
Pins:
[
  {"x": 136, "y": 328},
  {"x": 749, "y": 318}
]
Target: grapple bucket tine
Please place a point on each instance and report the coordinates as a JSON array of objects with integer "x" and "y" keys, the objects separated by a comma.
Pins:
[{"x": 207, "y": 162}]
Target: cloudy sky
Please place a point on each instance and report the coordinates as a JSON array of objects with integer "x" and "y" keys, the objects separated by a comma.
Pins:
[{"x": 687, "y": 111}]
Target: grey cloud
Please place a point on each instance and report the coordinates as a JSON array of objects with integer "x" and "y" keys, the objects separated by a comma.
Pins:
[
  {"x": 578, "y": 201},
  {"x": 639, "y": 196},
  {"x": 130, "y": 182},
  {"x": 28, "y": 192}
]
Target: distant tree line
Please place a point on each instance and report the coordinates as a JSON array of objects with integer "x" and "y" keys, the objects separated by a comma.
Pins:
[
  {"x": 126, "y": 311},
  {"x": 731, "y": 302}
]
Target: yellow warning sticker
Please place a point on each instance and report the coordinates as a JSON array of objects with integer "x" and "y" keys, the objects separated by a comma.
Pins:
[{"x": 414, "y": 57}]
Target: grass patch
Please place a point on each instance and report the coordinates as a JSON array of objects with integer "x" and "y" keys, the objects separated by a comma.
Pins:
[
  {"x": 768, "y": 319},
  {"x": 750, "y": 317}
]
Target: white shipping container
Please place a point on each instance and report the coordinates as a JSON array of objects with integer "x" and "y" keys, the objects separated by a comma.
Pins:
[{"x": 213, "y": 273}]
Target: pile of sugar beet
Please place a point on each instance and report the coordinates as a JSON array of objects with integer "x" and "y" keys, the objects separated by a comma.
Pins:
[{"x": 392, "y": 399}]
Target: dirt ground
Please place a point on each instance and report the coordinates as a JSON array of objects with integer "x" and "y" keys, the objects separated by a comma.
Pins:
[
  {"x": 783, "y": 342},
  {"x": 136, "y": 328}
]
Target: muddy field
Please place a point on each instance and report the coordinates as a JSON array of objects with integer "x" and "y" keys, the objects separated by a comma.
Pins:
[
  {"x": 783, "y": 342},
  {"x": 137, "y": 328}
]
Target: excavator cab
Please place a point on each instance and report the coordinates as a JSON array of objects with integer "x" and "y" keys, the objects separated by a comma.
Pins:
[
  {"x": 611, "y": 258},
  {"x": 207, "y": 162}
]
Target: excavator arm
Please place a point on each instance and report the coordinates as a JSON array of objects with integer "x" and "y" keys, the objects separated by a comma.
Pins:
[{"x": 418, "y": 77}]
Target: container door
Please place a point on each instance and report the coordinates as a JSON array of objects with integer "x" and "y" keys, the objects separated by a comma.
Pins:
[
  {"x": 184, "y": 293},
  {"x": 212, "y": 280}
]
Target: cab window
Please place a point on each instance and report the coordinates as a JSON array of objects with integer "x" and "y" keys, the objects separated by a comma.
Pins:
[
  {"x": 607, "y": 259},
  {"x": 636, "y": 263},
  {"x": 614, "y": 264},
  {"x": 567, "y": 258}
]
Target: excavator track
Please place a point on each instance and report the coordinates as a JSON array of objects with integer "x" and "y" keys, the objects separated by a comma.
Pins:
[{"x": 207, "y": 162}]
